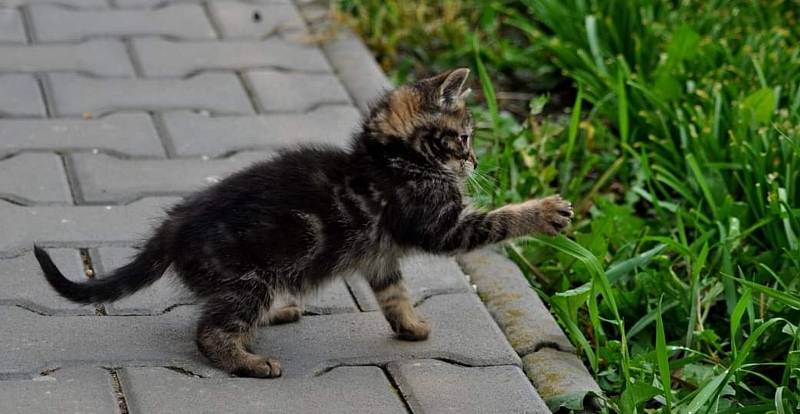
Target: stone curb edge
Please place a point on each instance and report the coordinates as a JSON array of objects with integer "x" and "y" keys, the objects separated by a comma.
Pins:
[{"x": 549, "y": 359}]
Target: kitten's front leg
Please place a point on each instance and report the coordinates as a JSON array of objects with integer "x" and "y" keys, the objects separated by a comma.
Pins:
[{"x": 397, "y": 306}]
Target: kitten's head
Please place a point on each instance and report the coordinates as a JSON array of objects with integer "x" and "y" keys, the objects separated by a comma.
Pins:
[{"x": 430, "y": 118}]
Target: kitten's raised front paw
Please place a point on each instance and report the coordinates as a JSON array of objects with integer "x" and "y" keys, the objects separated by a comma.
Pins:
[
  {"x": 416, "y": 331},
  {"x": 553, "y": 214}
]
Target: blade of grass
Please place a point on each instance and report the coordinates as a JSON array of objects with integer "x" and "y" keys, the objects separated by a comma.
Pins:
[
  {"x": 697, "y": 266},
  {"x": 574, "y": 122},
  {"x": 622, "y": 108},
  {"x": 486, "y": 86},
  {"x": 663, "y": 360},
  {"x": 784, "y": 298}
]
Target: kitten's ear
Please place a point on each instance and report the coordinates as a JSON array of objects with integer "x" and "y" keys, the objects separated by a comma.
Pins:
[{"x": 451, "y": 89}]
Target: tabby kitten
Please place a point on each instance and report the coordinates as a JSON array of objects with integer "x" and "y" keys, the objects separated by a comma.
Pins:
[{"x": 287, "y": 226}]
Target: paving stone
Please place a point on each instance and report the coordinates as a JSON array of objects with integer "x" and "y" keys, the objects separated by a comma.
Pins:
[
  {"x": 356, "y": 68},
  {"x": 291, "y": 91},
  {"x": 101, "y": 57},
  {"x": 194, "y": 134},
  {"x": 80, "y": 226},
  {"x": 167, "y": 292},
  {"x": 425, "y": 276},
  {"x": 160, "y": 57},
  {"x": 22, "y": 283},
  {"x": 161, "y": 3},
  {"x": 435, "y": 387},
  {"x": 235, "y": 19},
  {"x": 12, "y": 29},
  {"x": 130, "y": 134},
  {"x": 217, "y": 92},
  {"x": 103, "y": 178},
  {"x": 76, "y": 390},
  {"x": 185, "y": 21},
  {"x": 68, "y": 3},
  {"x": 333, "y": 298},
  {"x": 462, "y": 332},
  {"x": 515, "y": 306},
  {"x": 342, "y": 390},
  {"x": 20, "y": 96},
  {"x": 38, "y": 178},
  {"x": 44, "y": 342},
  {"x": 562, "y": 379}
]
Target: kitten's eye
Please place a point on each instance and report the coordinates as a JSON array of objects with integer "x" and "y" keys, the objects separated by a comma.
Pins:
[{"x": 464, "y": 139}]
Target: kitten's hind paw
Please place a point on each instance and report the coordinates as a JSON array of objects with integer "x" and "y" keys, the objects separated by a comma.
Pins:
[
  {"x": 286, "y": 314},
  {"x": 417, "y": 331},
  {"x": 260, "y": 367}
]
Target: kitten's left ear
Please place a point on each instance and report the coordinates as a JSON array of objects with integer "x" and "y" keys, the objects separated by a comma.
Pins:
[{"x": 451, "y": 89}]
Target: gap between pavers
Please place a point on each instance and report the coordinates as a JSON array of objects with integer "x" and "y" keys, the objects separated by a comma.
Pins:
[{"x": 528, "y": 324}]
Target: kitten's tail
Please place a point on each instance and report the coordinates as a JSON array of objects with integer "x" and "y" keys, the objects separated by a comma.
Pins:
[{"x": 147, "y": 267}]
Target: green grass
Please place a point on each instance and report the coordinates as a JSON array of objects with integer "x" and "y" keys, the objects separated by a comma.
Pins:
[{"x": 680, "y": 147}]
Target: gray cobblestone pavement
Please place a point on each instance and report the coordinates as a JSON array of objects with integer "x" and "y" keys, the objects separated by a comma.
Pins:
[{"x": 109, "y": 111}]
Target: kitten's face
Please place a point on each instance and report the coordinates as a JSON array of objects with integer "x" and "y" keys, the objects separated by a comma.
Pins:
[{"x": 432, "y": 118}]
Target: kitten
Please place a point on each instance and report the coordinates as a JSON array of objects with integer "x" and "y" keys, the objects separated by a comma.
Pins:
[{"x": 289, "y": 225}]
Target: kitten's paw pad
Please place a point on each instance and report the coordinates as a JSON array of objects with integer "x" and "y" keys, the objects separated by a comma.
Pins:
[
  {"x": 555, "y": 214},
  {"x": 417, "y": 331},
  {"x": 283, "y": 315},
  {"x": 260, "y": 368}
]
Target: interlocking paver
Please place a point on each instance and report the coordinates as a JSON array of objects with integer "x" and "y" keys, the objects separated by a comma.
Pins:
[
  {"x": 343, "y": 390},
  {"x": 12, "y": 29},
  {"x": 159, "y": 3},
  {"x": 290, "y": 91},
  {"x": 365, "y": 338},
  {"x": 38, "y": 178},
  {"x": 54, "y": 23},
  {"x": 22, "y": 283},
  {"x": 160, "y": 57},
  {"x": 217, "y": 92},
  {"x": 356, "y": 68},
  {"x": 20, "y": 96},
  {"x": 129, "y": 134},
  {"x": 521, "y": 314},
  {"x": 81, "y": 226},
  {"x": 101, "y": 57},
  {"x": 436, "y": 387},
  {"x": 462, "y": 332},
  {"x": 425, "y": 276},
  {"x": 236, "y": 19},
  {"x": 167, "y": 292},
  {"x": 103, "y": 178},
  {"x": 68, "y": 3},
  {"x": 194, "y": 134},
  {"x": 74, "y": 390}
]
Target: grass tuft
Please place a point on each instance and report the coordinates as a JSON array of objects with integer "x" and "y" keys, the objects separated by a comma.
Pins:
[{"x": 675, "y": 129}]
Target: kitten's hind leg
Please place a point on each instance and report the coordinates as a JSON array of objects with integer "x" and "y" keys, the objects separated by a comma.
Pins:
[
  {"x": 226, "y": 329},
  {"x": 396, "y": 304},
  {"x": 287, "y": 310}
]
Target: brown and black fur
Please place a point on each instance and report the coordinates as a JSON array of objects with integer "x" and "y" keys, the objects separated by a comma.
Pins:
[{"x": 285, "y": 227}]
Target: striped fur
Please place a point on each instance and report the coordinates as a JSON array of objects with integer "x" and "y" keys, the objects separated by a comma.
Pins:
[{"x": 290, "y": 225}]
